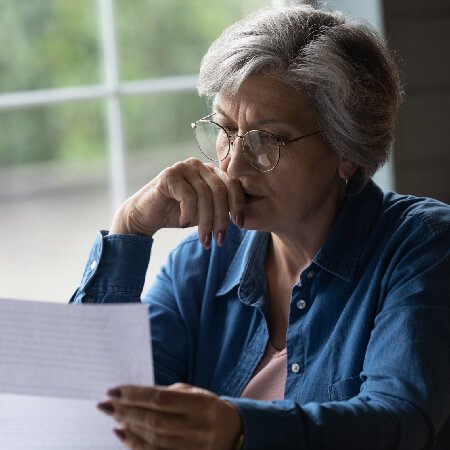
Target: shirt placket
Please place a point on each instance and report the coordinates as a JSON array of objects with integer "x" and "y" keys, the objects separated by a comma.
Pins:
[{"x": 301, "y": 300}]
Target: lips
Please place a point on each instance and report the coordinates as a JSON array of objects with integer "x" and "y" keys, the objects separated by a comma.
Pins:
[
  {"x": 251, "y": 194},
  {"x": 251, "y": 197}
]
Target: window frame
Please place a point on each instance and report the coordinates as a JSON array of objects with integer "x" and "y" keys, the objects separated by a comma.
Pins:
[{"x": 111, "y": 89}]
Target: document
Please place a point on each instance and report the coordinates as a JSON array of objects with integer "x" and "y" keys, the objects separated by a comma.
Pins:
[{"x": 57, "y": 362}]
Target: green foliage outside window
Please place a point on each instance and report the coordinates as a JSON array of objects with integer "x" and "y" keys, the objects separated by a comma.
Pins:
[{"x": 52, "y": 43}]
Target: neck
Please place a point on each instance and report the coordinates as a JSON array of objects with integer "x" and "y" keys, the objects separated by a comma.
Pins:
[{"x": 291, "y": 250}]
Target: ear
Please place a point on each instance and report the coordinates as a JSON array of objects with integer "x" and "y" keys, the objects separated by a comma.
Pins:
[{"x": 346, "y": 169}]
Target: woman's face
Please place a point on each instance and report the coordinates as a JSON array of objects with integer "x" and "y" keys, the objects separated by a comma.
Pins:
[{"x": 306, "y": 181}]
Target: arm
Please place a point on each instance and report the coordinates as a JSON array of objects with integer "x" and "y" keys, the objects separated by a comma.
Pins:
[{"x": 186, "y": 194}]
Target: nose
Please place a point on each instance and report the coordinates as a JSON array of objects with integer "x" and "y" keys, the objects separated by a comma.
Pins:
[{"x": 236, "y": 164}]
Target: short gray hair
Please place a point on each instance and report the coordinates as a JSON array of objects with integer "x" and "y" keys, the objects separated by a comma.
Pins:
[{"x": 342, "y": 66}]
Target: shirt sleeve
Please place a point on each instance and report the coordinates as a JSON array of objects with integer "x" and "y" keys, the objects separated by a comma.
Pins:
[
  {"x": 404, "y": 401},
  {"x": 115, "y": 270}
]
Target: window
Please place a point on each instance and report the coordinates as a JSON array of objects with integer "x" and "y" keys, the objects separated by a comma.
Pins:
[{"x": 96, "y": 97}]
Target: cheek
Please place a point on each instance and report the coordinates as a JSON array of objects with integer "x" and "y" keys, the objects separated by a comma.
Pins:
[
  {"x": 299, "y": 180},
  {"x": 312, "y": 167}
]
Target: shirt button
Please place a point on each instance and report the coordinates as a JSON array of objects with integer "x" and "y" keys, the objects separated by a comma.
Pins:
[
  {"x": 295, "y": 368},
  {"x": 310, "y": 274},
  {"x": 93, "y": 265},
  {"x": 301, "y": 304}
]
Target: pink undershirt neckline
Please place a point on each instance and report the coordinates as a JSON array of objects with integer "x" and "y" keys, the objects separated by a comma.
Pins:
[{"x": 269, "y": 378}]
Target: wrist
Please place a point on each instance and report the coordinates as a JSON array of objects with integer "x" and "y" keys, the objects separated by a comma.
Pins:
[
  {"x": 119, "y": 224},
  {"x": 126, "y": 221},
  {"x": 238, "y": 444},
  {"x": 237, "y": 427}
]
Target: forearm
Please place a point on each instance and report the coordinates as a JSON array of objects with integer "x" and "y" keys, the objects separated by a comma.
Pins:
[{"x": 358, "y": 424}]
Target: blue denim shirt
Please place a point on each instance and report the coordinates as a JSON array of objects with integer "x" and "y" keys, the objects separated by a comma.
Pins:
[{"x": 368, "y": 357}]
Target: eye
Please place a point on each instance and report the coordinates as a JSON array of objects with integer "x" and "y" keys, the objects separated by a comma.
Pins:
[
  {"x": 228, "y": 127},
  {"x": 279, "y": 137}
]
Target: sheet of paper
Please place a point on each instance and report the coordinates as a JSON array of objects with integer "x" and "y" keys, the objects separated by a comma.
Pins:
[
  {"x": 57, "y": 361},
  {"x": 48, "y": 423}
]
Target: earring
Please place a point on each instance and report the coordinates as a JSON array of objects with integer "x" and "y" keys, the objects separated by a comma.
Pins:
[{"x": 346, "y": 181}]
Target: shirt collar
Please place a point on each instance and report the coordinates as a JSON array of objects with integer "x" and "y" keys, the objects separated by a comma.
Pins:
[
  {"x": 341, "y": 250},
  {"x": 338, "y": 255},
  {"x": 247, "y": 267}
]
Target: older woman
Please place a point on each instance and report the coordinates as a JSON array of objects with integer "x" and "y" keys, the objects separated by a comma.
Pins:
[{"x": 319, "y": 315}]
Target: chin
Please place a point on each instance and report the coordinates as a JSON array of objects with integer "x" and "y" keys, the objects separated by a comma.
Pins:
[
  {"x": 258, "y": 216},
  {"x": 256, "y": 223}
]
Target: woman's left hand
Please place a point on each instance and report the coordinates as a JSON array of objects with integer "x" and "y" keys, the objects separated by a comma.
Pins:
[{"x": 179, "y": 416}]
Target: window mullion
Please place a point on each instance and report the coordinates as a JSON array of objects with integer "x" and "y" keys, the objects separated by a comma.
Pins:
[{"x": 114, "y": 125}]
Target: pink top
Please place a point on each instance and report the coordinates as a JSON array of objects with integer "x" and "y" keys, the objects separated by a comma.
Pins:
[{"x": 269, "y": 379}]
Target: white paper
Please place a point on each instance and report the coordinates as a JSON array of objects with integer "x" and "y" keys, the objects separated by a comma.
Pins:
[
  {"x": 57, "y": 361},
  {"x": 48, "y": 423}
]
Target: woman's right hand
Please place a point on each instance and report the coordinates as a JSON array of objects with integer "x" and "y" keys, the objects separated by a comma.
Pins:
[{"x": 186, "y": 194}]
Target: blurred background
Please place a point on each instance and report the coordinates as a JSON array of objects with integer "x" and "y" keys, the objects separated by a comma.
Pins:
[{"x": 97, "y": 96}]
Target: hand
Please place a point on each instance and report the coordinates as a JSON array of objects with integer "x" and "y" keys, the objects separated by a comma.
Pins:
[
  {"x": 186, "y": 194},
  {"x": 176, "y": 417}
]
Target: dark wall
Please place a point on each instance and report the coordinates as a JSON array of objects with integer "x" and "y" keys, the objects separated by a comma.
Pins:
[{"x": 420, "y": 32}]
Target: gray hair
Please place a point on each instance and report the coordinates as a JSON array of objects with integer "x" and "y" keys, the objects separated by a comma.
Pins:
[{"x": 342, "y": 66}]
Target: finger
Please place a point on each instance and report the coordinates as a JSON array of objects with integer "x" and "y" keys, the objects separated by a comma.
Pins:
[
  {"x": 131, "y": 440},
  {"x": 161, "y": 398},
  {"x": 184, "y": 387},
  {"x": 220, "y": 197},
  {"x": 198, "y": 207},
  {"x": 157, "y": 440},
  {"x": 176, "y": 187},
  {"x": 236, "y": 197},
  {"x": 205, "y": 202},
  {"x": 162, "y": 423}
]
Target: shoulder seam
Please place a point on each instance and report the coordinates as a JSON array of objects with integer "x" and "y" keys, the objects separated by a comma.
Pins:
[{"x": 432, "y": 226}]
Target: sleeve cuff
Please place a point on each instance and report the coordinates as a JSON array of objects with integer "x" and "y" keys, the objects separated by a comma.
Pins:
[
  {"x": 116, "y": 264},
  {"x": 268, "y": 425}
]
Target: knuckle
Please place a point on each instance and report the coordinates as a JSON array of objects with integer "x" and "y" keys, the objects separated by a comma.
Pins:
[
  {"x": 234, "y": 181},
  {"x": 194, "y": 161},
  {"x": 179, "y": 386},
  {"x": 219, "y": 188},
  {"x": 171, "y": 172}
]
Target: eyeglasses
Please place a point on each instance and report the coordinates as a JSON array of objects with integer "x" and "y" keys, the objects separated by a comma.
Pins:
[{"x": 261, "y": 149}]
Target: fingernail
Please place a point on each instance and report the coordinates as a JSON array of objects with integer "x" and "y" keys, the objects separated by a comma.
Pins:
[
  {"x": 239, "y": 219},
  {"x": 220, "y": 238},
  {"x": 114, "y": 393},
  {"x": 120, "y": 434},
  {"x": 106, "y": 407},
  {"x": 207, "y": 240},
  {"x": 185, "y": 225}
]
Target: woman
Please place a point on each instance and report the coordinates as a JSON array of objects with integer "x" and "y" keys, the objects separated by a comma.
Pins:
[{"x": 312, "y": 310}]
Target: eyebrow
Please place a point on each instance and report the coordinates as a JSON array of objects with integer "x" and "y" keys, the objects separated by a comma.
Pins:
[{"x": 262, "y": 122}]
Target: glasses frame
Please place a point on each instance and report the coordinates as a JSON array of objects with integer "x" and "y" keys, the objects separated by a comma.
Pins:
[{"x": 232, "y": 138}]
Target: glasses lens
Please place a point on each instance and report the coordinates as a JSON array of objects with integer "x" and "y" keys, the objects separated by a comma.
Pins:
[
  {"x": 262, "y": 150},
  {"x": 212, "y": 140}
]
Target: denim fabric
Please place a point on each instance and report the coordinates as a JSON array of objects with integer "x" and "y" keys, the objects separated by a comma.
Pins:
[{"x": 368, "y": 357}]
